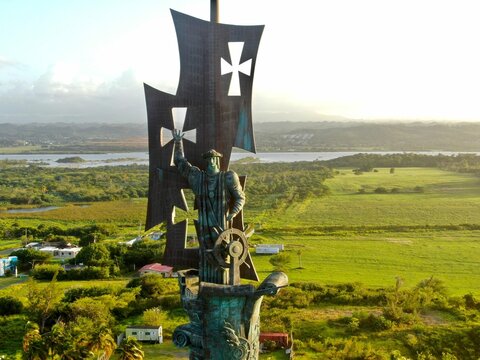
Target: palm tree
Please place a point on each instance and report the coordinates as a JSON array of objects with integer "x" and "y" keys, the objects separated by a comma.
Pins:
[
  {"x": 130, "y": 349},
  {"x": 102, "y": 341}
]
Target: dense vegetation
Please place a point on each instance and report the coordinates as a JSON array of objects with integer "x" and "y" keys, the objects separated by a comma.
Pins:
[
  {"x": 36, "y": 185},
  {"x": 367, "y": 162}
]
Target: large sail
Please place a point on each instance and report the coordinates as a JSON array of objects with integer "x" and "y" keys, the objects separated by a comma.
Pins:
[{"x": 212, "y": 107}]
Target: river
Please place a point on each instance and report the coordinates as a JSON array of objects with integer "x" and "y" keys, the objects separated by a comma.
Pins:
[{"x": 141, "y": 158}]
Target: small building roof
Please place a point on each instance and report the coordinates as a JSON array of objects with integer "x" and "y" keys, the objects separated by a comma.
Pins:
[
  {"x": 143, "y": 327},
  {"x": 33, "y": 244},
  {"x": 49, "y": 248},
  {"x": 157, "y": 267},
  {"x": 72, "y": 249}
]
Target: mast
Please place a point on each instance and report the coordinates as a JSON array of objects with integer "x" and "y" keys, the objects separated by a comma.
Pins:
[{"x": 214, "y": 11}]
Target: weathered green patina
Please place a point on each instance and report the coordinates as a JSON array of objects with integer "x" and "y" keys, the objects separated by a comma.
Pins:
[
  {"x": 219, "y": 197},
  {"x": 224, "y": 315}
]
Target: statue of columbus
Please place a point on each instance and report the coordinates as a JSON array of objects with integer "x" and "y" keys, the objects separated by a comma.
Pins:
[{"x": 219, "y": 197}]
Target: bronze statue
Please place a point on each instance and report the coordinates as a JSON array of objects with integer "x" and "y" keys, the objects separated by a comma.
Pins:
[{"x": 219, "y": 198}]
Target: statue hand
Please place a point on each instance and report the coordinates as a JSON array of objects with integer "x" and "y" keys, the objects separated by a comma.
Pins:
[
  {"x": 230, "y": 217},
  {"x": 177, "y": 135}
]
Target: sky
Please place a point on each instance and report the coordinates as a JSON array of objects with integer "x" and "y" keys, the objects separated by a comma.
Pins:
[{"x": 86, "y": 60}]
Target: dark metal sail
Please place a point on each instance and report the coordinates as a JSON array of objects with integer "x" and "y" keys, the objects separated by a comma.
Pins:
[{"x": 214, "y": 98}]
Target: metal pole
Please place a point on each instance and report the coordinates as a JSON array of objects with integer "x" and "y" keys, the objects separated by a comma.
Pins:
[{"x": 214, "y": 11}]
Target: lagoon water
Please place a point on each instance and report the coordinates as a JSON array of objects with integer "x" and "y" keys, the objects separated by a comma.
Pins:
[
  {"x": 31, "y": 210},
  {"x": 141, "y": 158}
]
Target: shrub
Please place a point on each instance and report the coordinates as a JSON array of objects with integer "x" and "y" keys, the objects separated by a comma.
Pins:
[
  {"x": 74, "y": 294},
  {"x": 291, "y": 297},
  {"x": 152, "y": 285},
  {"x": 280, "y": 261},
  {"x": 154, "y": 317},
  {"x": 380, "y": 190},
  {"x": 87, "y": 273},
  {"x": 375, "y": 323},
  {"x": 10, "y": 306},
  {"x": 47, "y": 271}
]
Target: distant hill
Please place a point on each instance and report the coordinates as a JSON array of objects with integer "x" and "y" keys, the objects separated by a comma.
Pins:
[
  {"x": 337, "y": 136},
  {"x": 270, "y": 136}
]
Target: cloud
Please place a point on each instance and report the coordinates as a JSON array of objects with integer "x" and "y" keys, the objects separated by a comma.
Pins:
[
  {"x": 6, "y": 63},
  {"x": 60, "y": 95}
]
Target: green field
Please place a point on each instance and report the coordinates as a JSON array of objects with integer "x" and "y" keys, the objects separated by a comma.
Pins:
[
  {"x": 348, "y": 236},
  {"x": 376, "y": 259},
  {"x": 373, "y": 238},
  {"x": 448, "y": 199},
  {"x": 428, "y": 226}
]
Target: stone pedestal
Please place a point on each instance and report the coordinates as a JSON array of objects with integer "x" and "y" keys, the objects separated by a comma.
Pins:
[{"x": 224, "y": 319}]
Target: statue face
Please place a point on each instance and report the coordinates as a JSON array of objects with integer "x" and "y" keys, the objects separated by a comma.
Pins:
[{"x": 213, "y": 165}]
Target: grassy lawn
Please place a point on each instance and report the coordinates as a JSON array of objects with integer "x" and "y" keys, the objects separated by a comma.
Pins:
[
  {"x": 7, "y": 281},
  {"x": 7, "y": 245},
  {"x": 448, "y": 198},
  {"x": 20, "y": 149},
  {"x": 130, "y": 210},
  {"x": 377, "y": 259},
  {"x": 368, "y": 244}
]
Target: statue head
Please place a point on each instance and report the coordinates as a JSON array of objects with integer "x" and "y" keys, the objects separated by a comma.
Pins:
[{"x": 213, "y": 161}]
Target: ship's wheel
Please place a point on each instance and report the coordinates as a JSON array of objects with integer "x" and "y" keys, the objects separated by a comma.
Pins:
[{"x": 230, "y": 248}]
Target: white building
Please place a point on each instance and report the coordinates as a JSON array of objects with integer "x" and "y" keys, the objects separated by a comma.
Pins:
[
  {"x": 7, "y": 264},
  {"x": 67, "y": 253},
  {"x": 269, "y": 248},
  {"x": 145, "y": 333}
]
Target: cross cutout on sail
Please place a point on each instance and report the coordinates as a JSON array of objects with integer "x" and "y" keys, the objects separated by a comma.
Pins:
[
  {"x": 178, "y": 114},
  {"x": 235, "y": 67}
]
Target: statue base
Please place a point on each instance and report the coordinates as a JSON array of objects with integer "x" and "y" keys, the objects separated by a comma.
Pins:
[{"x": 224, "y": 319}]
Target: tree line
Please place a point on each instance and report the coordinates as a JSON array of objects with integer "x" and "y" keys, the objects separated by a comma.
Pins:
[{"x": 460, "y": 163}]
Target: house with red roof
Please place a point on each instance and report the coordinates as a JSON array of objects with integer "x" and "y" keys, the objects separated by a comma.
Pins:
[{"x": 157, "y": 268}]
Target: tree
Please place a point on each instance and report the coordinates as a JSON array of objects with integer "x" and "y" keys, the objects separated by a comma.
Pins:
[
  {"x": 299, "y": 254},
  {"x": 28, "y": 258},
  {"x": 153, "y": 317},
  {"x": 280, "y": 261},
  {"x": 98, "y": 310},
  {"x": 130, "y": 349},
  {"x": 144, "y": 252},
  {"x": 152, "y": 285},
  {"x": 102, "y": 341},
  {"x": 42, "y": 302},
  {"x": 95, "y": 254}
]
